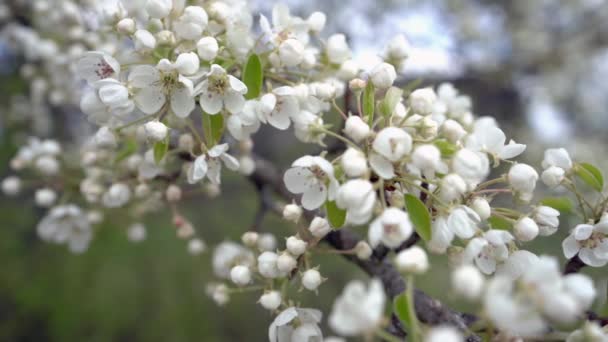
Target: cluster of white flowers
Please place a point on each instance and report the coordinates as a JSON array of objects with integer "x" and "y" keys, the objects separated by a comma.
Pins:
[{"x": 182, "y": 88}]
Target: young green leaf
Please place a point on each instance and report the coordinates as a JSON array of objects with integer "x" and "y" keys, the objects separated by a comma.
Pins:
[
  {"x": 590, "y": 175},
  {"x": 447, "y": 148},
  {"x": 369, "y": 98},
  {"x": 129, "y": 147},
  {"x": 562, "y": 204},
  {"x": 335, "y": 215},
  {"x": 500, "y": 223},
  {"x": 390, "y": 101},
  {"x": 253, "y": 77},
  {"x": 401, "y": 307},
  {"x": 419, "y": 215},
  {"x": 160, "y": 150},
  {"x": 213, "y": 127}
]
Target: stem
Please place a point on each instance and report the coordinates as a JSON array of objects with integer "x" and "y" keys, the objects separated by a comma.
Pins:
[
  {"x": 337, "y": 136},
  {"x": 491, "y": 182},
  {"x": 415, "y": 329},
  {"x": 337, "y": 108}
]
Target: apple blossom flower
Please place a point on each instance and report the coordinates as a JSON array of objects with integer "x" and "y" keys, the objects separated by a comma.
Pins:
[
  {"x": 589, "y": 242},
  {"x": 96, "y": 65},
  {"x": 522, "y": 178},
  {"x": 283, "y": 328},
  {"x": 391, "y": 228},
  {"x": 525, "y": 229},
  {"x": 277, "y": 107},
  {"x": 358, "y": 197},
  {"x": 452, "y": 187},
  {"x": 66, "y": 224},
  {"x": 359, "y": 309},
  {"x": 391, "y": 144},
  {"x": 468, "y": 282},
  {"x": 227, "y": 255},
  {"x": 354, "y": 163},
  {"x": 492, "y": 140},
  {"x": 271, "y": 300},
  {"x": 319, "y": 227},
  {"x": 191, "y": 23},
  {"x": 243, "y": 124},
  {"x": 422, "y": 101},
  {"x": 356, "y": 128},
  {"x": 488, "y": 250},
  {"x": 383, "y": 75},
  {"x": 553, "y": 176},
  {"x": 547, "y": 220},
  {"x": 557, "y": 157},
  {"x": 45, "y": 197},
  {"x": 313, "y": 177},
  {"x": 472, "y": 166},
  {"x": 412, "y": 260},
  {"x": 311, "y": 279},
  {"x": 221, "y": 90},
  {"x": 11, "y": 186},
  {"x": 337, "y": 49},
  {"x": 427, "y": 159},
  {"x": 209, "y": 165},
  {"x": 207, "y": 48}
]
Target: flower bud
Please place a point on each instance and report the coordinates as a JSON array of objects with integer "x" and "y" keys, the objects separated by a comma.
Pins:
[
  {"x": 104, "y": 138},
  {"x": 452, "y": 187},
  {"x": 443, "y": 334},
  {"x": 159, "y": 8},
  {"x": 165, "y": 37},
  {"x": 267, "y": 242},
  {"x": 412, "y": 260},
  {"x": 47, "y": 165},
  {"x": 207, "y": 48},
  {"x": 286, "y": 263},
  {"x": 427, "y": 158},
  {"x": 240, "y": 275},
  {"x": 267, "y": 265},
  {"x": 311, "y": 279},
  {"x": 250, "y": 239},
  {"x": 398, "y": 48},
  {"x": 319, "y": 227},
  {"x": 453, "y": 130},
  {"x": 422, "y": 101},
  {"x": 356, "y": 128},
  {"x": 337, "y": 49},
  {"x": 522, "y": 178},
  {"x": 357, "y": 84},
  {"x": 468, "y": 282},
  {"x": 173, "y": 193},
  {"x": 526, "y": 229},
  {"x": 271, "y": 300},
  {"x": 117, "y": 195},
  {"x": 186, "y": 142},
  {"x": 383, "y": 75},
  {"x": 292, "y": 212},
  {"x": 187, "y": 63},
  {"x": 553, "y": 176},
  {"x": 11, "y": 186},
  {"x": 291, "y": 52},
  {"x": 547, "y": 220},
  {"x": 354, "y": 163},
  {"x": 142, "y": 190},
  {"x": 316, "y": 21},
  {"x": 196, "y": 246},
  {"x": 155, "y": 131},
  {"x": 481, "y": 206},
  {"x": 363, "y": 250},
  {"x": 296, "y": 246},
  {"x": 45, "y": 197},
  {"x": 144, "y": 40},
  {"x": 126, "y": 26},
  {"x": 220, "y": 294},
  {"x": 136, "y": 232}
]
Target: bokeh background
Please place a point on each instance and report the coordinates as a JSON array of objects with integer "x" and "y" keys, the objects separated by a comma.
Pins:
[{"x": 539, "y": 67}]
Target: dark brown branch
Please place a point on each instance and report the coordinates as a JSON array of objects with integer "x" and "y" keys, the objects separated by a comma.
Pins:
[
  {"x": 574, "y": 265},
  {"x": 429, "y": 310}
]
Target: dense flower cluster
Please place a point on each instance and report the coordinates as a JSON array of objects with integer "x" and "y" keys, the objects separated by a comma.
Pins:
[{"x": 177, "y": 93}]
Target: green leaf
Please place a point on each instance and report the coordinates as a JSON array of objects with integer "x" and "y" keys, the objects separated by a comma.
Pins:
[
  {"x": 253, "y": 77},
  {"x": 562, "y": 204},
  {"x": 390, "y": 101},
  {"x": 160, "y": 150},
  {"x": 498, "y": 222},
  {"x": 128, "y": 148},
  {"x": 335, "y": 215},
  {"x": 590, "y": 175},
  {"x": 419, "y": 215},
  {"x": 369, "y": 98},
  {"x": 401, "y": 307},
  {"x": 447, "y": 148},
  {"x": 213, "y": 127}
]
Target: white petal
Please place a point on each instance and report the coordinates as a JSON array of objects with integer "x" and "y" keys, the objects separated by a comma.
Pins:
[
  {"x": 588, "y": 257},
  {"x": 199, "y": 169},
  {"x": 382, "y": 166},
  {"x": 237, "y": 85},
  {"x": 570, "y": 246},
  {"x": 486, "y": 264},
  {"x": 314, "y": 196},
  {"x": 218, "y": 150},
  {"x": 230, "y": 162},
  {"x": 583, "y": 231},
  {"x": 211, "y": 102},
  {"x": 375, "y": 233},
  {"x": 234, "y": 101},
  {"x": 296, "y": 179},
  {"x": 143, "y": 76},
  {"x": 512, "y": 150},
  {"x": 182, "y": 102},
  {"x": 215, "y": 170},
  {"x": 150, "y": 100},
  {"x": 279, "y": 120},
  {"x": 235, "y": 127}
]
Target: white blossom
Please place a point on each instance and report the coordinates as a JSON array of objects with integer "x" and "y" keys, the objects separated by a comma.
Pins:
[
  {"x": 468, "y": 282},
  {"x": 358, "y": 197},
  {"x": 547, "y": 220},
  {"x": 391, "y": 144},
  {"x": 207, "y": 48},
  {"x": 296, "y": 246},
  {"x": 553, "y": 176},
  {"x": 319, "y": 227},
  {"x": 412, "y": 260},
  {"x": 117, "y": 195},
  {"x": 210, "y": 165},
  {"x": 356, "y": 128},
  {"x": 156, "y": 131},
  {"x": 159, "y": 8},
  {"x": 354, "y": 163},
  {"x": 66, "y": 224},
  {"x": 391, "y": 228},
  {"x": 522, "y": 178},
  {"x": 227, "y": 255},
  {"x": 422, "y": 101},
  {"x": 590, "y": 242},
  {"x": 11, "y": 186},
  {"x": 359, "y": 309},
  {"x": 313, "y": 177},
  {"x": 240, "y": 275},
  {"x": 221, "y": 90},
  {"x": 191, "y": 23},
  {"x": 337, "y": 49},
  {"x": 45, "y": 197},
  {"x": 311, "y": 279},
  {"x": 383, "y": 75},
  {"x": 136, "y": 232},
  {"x": 271, "y": 300},
  {"x": 283, "y": 328},
  {"x": 443, "y": 334},
  {"x": 525, "y": 229},
  {"x": 557, "y": 157},
  {"x": 488, "y": 250}
]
